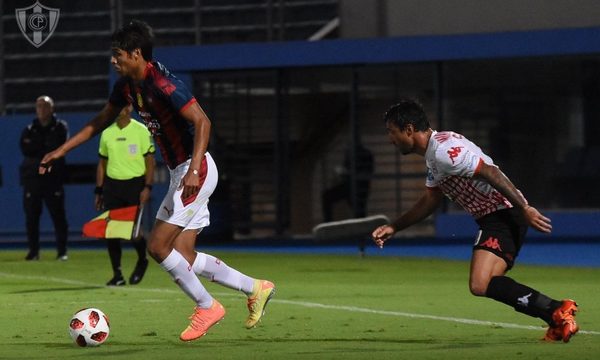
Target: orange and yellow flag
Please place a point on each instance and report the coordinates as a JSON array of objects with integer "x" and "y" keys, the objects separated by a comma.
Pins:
[{"x": 113, "y": 224}]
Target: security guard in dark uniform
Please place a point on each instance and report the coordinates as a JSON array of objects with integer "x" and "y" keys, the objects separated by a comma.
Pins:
[{"x": 44, "y": 134}]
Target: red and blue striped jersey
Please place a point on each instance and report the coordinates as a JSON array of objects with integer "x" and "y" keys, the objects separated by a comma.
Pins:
[{"x": 160, "y": 99}]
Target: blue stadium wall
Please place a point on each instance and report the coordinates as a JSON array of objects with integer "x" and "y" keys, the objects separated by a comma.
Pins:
[
  {"x": 184, "y": 59},
  {"x": 80, "y": 207}
]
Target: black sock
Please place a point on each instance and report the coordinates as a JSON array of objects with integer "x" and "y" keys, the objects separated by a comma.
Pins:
[
  {"x": 140, "y": 248},
  {"x": 114, "y": 252},
  {"x": 522, "y": 298}
]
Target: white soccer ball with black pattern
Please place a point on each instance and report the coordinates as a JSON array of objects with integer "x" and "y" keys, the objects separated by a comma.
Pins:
[{"x": 89, "y": 327}]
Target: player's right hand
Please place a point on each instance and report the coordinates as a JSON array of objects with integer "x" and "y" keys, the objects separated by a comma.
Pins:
[
  {"x": 536, "y": 220},
  {"x": 382, "y": 234},
  {"x": 48, "y": 159}
]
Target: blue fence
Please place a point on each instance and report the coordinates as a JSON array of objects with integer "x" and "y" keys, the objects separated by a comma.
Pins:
[
  {"x": 185, "y": 59},
  {"x": 377, "y": 51}
]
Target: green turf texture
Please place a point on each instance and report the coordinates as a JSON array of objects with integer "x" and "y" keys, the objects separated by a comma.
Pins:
[{"x": 320, "y": 311}]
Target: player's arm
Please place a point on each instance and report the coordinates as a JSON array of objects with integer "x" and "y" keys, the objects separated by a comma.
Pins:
[
  {"x": 106, "y": 116},
  {"x": 425, "y": 206},
  {"x": 497, "y": 179},
  {"x": 100, "y": 173},
  {"x": 148, "y": 177},
  {"x": 195, "y": 115}
]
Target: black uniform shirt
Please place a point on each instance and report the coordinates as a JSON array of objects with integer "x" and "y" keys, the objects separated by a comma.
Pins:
[{"x": 37, "y": 141}]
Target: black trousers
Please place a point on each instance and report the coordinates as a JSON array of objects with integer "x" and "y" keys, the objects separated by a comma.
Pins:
[
  {"x": 118, "y": 194},
  {"x": 53, "y": 195}
]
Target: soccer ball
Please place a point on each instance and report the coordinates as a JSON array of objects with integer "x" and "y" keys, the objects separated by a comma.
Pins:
[{"x": 89, "y": 327}]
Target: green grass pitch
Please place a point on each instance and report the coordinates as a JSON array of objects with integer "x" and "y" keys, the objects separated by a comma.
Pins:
[{"x": 326, "y": 307}]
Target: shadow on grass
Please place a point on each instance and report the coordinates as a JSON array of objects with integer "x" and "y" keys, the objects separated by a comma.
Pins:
[
  {"x": 334, "y": 270},
  {"x": 58, "y": 289},
  {"x": 438, "y": 344},
  {"x": 279, "y": 341},
  {"x": 98, "y": 351}
]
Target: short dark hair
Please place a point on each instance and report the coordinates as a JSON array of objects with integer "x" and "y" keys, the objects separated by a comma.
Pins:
[
  {"x": 407, "y": 111},
  {"x": 136, "y": 34}
]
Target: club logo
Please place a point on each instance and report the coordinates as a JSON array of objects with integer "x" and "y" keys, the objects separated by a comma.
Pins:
[{"x": 37, "y": 22}]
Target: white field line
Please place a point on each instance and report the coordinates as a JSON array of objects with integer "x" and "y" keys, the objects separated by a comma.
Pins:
[{"x": 297, "y": 303}]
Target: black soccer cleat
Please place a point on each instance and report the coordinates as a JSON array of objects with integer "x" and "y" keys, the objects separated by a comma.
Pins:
[
  {"x": 117, "y": 280},
  {"x": 32, "y": 256},
  {"x": 138, "y": 272}
]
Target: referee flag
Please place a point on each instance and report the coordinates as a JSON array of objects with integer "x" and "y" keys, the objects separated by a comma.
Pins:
[{"x": 113, "y": 224}]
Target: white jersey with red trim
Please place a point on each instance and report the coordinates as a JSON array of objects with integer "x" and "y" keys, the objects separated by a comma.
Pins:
[{"x": 452, "y": 161}]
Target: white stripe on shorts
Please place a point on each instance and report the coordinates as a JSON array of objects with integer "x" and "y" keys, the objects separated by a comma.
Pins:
[{"x": 195, "y": 215}]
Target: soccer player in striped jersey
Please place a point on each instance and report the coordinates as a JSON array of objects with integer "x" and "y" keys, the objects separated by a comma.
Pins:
[
  {"x": 459, "y": 170},
  {"x": 181, "y": 130}
]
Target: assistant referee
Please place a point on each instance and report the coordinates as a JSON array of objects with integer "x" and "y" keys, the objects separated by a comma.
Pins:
[{"x": 124, "y": 178}]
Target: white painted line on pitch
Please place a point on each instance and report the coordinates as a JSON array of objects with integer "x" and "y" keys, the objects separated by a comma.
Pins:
[
  {"x": 419, "y": 316},
  {"x": 303, "y": 304}
]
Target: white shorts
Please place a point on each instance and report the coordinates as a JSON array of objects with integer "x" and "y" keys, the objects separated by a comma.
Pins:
[{"x": 194, "y": 214}]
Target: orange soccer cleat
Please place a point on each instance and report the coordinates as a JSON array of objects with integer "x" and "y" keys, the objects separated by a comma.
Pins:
[
  {"x": 202, "y": 320},
  {"x": 553, "y": 334},
  {"x": 564, "y": 318}
]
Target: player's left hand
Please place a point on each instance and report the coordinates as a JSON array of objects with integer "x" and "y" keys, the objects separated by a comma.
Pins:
[
  {"x": 536, "y": 220},
  {"x": 190, "y": 184}
]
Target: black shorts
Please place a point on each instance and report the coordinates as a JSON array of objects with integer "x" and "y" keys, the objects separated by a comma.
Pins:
[
  {"x": 502, "y": 233},
  {"x": 122, "y": 193}
]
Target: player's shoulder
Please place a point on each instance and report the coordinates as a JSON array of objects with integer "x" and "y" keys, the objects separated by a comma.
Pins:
[
  {"x": 158, "y": 67},
  {"x": 446, "y": 139},
  {"x": 448, "y": 146},
  {"x": 122, "y": 87},
  {"x": 162, "y": 79}
]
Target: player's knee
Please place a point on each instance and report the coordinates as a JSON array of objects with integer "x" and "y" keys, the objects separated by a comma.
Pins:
[
  {"x": 478, "y": 287},
  {"x": 152, "y": 251},
  {"x": 157, "y": 250}
]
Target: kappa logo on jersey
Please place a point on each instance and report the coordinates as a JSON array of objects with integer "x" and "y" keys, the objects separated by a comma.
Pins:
[
  {"x": 453, "y": 152},
  {"x": 492, "y": 243}
]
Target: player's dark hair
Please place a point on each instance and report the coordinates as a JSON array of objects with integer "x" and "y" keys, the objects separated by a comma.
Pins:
[
  {"x": 136, "y": 34},
  {"x": 407, "y": 111}
]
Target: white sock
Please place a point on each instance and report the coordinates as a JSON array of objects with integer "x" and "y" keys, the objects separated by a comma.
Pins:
[
  {"x": 216, "y": 270},
  {"x": 180, "y": 270}
]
